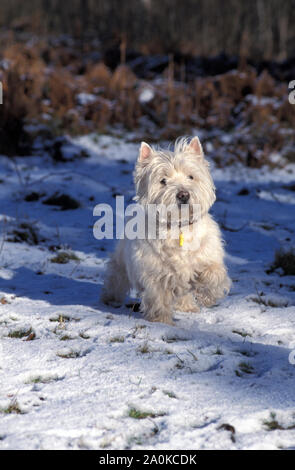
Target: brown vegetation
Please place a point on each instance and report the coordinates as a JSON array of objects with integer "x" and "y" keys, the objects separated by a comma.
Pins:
[{"x": 43, "y": 86}]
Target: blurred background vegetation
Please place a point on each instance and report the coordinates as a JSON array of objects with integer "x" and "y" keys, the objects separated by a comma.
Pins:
[
  {"x": 264, "y": 29},
  {"x": 156, "y": 68}
]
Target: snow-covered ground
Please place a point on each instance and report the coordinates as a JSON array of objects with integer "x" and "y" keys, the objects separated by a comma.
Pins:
[{"x": 76, "y": 374}]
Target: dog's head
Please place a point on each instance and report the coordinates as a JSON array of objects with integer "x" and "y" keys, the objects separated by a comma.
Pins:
[{"x": 179, "y": 177}]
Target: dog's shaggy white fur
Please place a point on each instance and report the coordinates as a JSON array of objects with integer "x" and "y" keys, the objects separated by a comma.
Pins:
[{"x": 165, "y": 275}]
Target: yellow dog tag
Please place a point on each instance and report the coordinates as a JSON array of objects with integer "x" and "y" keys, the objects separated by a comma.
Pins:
[{"x": 181, "y": 239}]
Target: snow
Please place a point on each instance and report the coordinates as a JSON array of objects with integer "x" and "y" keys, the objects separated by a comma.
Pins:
[
  {"x": 86, "y": 98},
  {"x": 147, "y": 93},
  {"x": 88, "y": 365}
]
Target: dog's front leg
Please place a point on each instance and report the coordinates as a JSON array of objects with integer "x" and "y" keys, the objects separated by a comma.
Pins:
[
  {"x": 155, "y": 308},
  {"x": 210, "y": 284},
  {"x": 158, "y": 297}
]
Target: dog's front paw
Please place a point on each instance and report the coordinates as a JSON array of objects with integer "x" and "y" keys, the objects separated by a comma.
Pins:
[
  {"x": 155, "y": 311},
  {"x": 187, "y": 304},
  {"x": 161, "y": 317},
  {"x": 205, "y": 297},
  {"x": 213, "y": 283}
]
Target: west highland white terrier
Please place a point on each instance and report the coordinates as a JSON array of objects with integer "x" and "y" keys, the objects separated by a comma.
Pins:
[{"x": 170, "y": 273}]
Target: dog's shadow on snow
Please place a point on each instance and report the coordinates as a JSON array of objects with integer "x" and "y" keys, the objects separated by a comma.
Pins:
[
  {"x": 60, "y": 290},
  {"x": 51, "y": 288}
]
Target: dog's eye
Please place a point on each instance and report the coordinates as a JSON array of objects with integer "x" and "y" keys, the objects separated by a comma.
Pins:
[
  {"x": 190, "y": 177},
  {"x": 163, "y": 181}
]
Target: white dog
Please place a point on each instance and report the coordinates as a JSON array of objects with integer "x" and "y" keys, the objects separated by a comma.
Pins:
[{"x": 180, "y": 273}]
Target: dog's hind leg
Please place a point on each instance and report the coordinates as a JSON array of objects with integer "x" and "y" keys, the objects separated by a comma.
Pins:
[{"x": 116, "y": 283}]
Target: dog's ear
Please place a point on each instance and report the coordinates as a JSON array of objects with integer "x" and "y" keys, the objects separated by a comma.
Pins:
[
  {"x": 196, "y": 147},
  {"x": 145, "y": 152}
]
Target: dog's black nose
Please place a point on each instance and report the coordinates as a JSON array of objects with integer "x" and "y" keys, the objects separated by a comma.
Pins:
[{"x": 183, "y": 197}]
